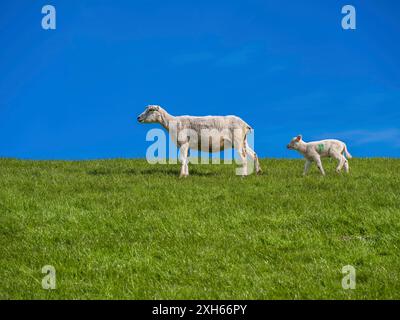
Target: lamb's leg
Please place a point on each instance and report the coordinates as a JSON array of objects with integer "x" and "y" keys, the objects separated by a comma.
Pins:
[
  {"x": 340, "y": 158},
  {"x": 184, "y": 149},
  {"x": 253, "y": 155},
  {"x": 307, "y": 167},
  {"x": 319, "y": 165},
  {"x": 346, "y": 165}
]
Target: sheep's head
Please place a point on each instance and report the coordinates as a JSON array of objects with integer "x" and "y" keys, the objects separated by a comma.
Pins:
[
  {"x": 150, "y": 115},
  {"x": 294, "y": 143}
]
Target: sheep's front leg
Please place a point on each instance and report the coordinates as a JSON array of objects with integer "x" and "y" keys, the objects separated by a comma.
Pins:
[
  {"x": 319, "y": 165},
  {"x": 184, "y": 149},
  {"x": 307, "y": 167}
]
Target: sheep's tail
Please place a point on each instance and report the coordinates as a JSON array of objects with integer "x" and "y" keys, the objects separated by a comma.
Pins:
[{"x": 347, "y": 153}]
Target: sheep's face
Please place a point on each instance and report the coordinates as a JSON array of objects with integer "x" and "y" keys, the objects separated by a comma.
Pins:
[
  {"x": 150, "y": 115},
  {"x": 294, "y": 143}
]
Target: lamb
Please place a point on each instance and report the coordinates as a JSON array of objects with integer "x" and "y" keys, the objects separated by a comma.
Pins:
[
  {"x": 208, "y": 133},
  {"x": 313, "y": 151}
]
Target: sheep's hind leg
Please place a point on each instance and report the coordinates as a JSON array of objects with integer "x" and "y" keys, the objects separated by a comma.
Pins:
[
  {"x": 341, "y": 160},
  {"x": 253, "y": 155},
  {"x": 243, "y": 157},
  {"x": 346, "y": 165}
]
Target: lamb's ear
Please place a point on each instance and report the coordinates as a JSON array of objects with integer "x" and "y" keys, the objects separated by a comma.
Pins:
[{"x": 299, "y": 137}]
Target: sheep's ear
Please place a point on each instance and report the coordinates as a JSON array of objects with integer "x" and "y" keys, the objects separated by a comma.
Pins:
[
  {"x": 299, "y": 137},
  {"x": 154, "y": 108}
]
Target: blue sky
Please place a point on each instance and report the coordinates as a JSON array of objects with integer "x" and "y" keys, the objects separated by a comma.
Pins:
[{"x": 285, "y": 67}]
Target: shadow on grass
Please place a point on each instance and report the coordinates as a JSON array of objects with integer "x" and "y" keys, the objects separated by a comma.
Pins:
[
  {"x": 170, "y": 172},
  {"x": 156, "y": 170},
  {"x": 100, "y": 172}
]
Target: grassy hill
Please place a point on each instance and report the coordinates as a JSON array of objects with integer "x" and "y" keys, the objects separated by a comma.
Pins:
[{"x": 127, "y": 229}]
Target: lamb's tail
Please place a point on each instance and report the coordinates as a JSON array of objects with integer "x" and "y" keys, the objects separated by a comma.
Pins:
[{"x": 347, "y": 153}]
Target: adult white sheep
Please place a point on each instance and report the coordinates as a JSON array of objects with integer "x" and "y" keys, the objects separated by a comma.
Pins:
[{"x": 209, "y": 134}]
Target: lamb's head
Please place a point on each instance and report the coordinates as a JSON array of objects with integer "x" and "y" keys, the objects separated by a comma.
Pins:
[
  {"x": 295, "y": 143},
  {"x": 151, "y": 114}
]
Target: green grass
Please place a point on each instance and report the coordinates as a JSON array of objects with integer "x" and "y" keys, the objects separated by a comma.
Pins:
[{"x": 127, "y": 229}]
